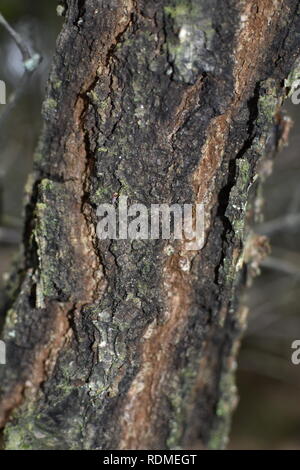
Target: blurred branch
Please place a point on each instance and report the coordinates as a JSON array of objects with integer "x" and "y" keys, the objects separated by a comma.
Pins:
[
  {"x": 265, "y": 320},
  {"x": 9, "y": 235},
  {"x": 295, "y": 202},
  {"x": 279, "y": 224},
  {"x": 24, "y": 49},
  {"x": 269, "y": 365},
  {"x": 272, "y": 311},
  {"x": 282, "y": 265},
  {"x": 11, "y": 221},
  {"x": 31, "y": 60}
]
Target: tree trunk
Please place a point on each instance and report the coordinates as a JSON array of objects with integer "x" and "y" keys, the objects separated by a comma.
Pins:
[{"x": 121, "y": 344}]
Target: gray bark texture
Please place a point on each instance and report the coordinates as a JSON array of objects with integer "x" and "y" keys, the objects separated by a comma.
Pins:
[{"x": 133, "y": 344}]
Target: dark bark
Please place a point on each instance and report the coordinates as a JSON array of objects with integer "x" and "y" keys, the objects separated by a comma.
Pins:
[{"x": 120, "y": 344}]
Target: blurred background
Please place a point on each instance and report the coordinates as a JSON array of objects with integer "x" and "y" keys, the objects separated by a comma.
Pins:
[
  {"x": 268, "y": 415},
  {"x": 39, "y": 24}
]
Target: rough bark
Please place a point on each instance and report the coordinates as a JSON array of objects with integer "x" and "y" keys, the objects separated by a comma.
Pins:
[{"x": 133, "y": 345}]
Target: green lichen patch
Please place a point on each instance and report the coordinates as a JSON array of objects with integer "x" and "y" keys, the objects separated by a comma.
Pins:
[
  {"x": 225, "y": 406},
  {"x": 190, "y": 43},
  {"x": 49, "y": 108},
  {"x": 52, "y": 241},
  {"x": 268, "y": 103}
]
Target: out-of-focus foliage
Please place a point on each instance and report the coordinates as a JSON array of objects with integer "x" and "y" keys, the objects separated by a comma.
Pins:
[
  {"x": 269, "y": 415},
  {"x": 38, "y": 24}
]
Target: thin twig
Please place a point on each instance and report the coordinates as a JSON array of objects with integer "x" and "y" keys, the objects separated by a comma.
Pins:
[
  {"x": 10, "y": 236},
  {"x": 31, "y": 60},
  {"x": 281, "y": 265},
  {"x": 267, "y": 364},
  {"x": 279, "y": 224},
  {"x": 24, "y": 49}
]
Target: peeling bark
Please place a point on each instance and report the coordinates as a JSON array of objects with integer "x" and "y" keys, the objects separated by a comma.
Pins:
[{"x": 133, "y": 344}]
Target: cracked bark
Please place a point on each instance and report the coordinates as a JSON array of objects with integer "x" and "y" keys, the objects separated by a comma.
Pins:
[{"x": 132, "y": 345}]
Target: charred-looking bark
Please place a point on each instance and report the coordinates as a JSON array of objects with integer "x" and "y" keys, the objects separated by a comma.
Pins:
[{"x": 132, "y": 344}]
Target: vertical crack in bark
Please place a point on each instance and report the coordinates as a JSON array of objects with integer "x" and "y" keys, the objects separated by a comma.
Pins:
[
  {"x": 252, "y": 42},
  {"x": 73, "y": 178},
  {"x": 138, "y": 421}
]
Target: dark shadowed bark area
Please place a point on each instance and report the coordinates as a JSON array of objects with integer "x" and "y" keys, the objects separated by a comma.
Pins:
[{"x": 132, "y": 344}]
